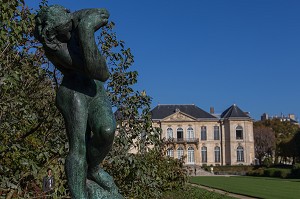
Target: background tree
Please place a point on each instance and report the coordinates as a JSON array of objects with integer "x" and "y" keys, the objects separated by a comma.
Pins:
[
  {"x": 264, "y": 142},
  {"x": 291, "y": 148},
  {"x": 296, "y": 144},
  {"x": 284, "y": 132}
]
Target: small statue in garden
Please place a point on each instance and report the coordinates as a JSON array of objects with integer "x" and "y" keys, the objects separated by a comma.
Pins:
[
  {"x": 48, "y": 182},
  {"x": 69, "y": 43}
]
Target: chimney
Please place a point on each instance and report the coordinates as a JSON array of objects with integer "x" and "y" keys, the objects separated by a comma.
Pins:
[
  {"x": 212, "y": 110},
  {"x": 264, "y": 117}
]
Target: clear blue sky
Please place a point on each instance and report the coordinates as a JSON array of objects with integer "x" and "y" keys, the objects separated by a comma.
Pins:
[{"x": 211, "y": 52}]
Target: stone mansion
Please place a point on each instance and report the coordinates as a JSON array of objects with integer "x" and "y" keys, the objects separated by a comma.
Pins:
[{"x": 203, "y": 138}]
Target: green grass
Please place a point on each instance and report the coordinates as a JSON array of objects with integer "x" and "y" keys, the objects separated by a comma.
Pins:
[
  {"x": 190, "y": 192},
  {"x": 253, "y": 186}
]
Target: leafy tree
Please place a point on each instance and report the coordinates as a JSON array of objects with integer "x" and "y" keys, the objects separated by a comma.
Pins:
[
  {"x": 291, "y": 148},
  {"x": 31, "y": 129},
  {"x": 296, "y": 144},
  {"x": 264, "y": 142},
  {"x": 32, "y": 135},
  {"x": 284, "y": 132}
]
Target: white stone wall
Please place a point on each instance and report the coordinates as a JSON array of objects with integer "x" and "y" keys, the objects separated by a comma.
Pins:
[{"x": 229, "y": 142}]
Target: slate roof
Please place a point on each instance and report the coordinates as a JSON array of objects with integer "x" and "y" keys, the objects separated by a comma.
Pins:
[
  {"x": 234, "y": 112},
  {"x": 164, "y": 110}
]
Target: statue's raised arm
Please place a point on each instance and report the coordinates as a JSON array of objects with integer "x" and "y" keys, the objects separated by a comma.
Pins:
[
  {"x": 69, "y": 41},
  {"x": 90, "y": 21}
]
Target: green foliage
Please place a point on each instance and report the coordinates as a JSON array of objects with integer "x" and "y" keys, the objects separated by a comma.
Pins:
[
  {"x": 274, "y": 172},
  {"x": 294, "y": 147},
  {"x": 147, "y": 175},
  {"x": 232, "y": 170},
  {"x": 31, "y": 129},
  {"x": 295, "y": 173},
  {"x": 256, "y": 172},
  {"x": 284, "y": 134},
  {"x": 267, "y": 161},
  {"x": 16, "y": 22}
]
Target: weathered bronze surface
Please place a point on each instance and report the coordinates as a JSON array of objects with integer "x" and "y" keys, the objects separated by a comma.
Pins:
[{"x": 69, "y": 43}]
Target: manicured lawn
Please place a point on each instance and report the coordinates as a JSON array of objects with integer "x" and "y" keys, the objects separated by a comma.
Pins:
[
  {"x": 253, "y": 186},
  {"x": 190, "y": 192}
]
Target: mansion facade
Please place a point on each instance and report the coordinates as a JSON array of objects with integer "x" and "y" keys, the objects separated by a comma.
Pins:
[{"x": 203, "y": 138}]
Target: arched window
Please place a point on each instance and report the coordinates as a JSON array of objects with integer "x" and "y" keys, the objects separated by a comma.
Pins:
[
  {"x": 170, "y": 152},
  {"x": 204, "y": 154},
  {"x": 191, "y": 155},
  {"x": 239, "y": 132},
  {"x": 190, "y": 133},
  {"x": 203, "y": 133},
  {"x": 169, "y": 133},
  {"x": 240, "y": 154},
  {"x": 217, "y": 154},
  {"x": 216, "y": 133},
  {"x": 179, "y": 133},
  {"x": 179, "y": 152}
]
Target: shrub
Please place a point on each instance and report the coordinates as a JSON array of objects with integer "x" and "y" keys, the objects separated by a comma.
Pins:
[
  {"x": 283, "y": 172},
  {"x": 256, "y": 172},
  {"x": 268, "y": 172},
  {"x": 277, "y": 172},
  {"x": 205, "y": 167},
  {"x": 147, "y": 175},
  {"x": 295, "y": 173},
  {"x": 232, "y": 170}
]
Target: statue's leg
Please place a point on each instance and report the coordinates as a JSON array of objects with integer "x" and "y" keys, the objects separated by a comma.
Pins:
[
  {"x": 103, "y": 126},
  {"x": 73, "y": 106}
]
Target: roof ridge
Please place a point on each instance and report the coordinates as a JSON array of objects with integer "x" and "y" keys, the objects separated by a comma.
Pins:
[{"x": 163, "y": 110}]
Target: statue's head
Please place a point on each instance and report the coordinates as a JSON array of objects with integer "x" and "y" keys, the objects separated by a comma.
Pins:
[{"x": 53, "y": 26}]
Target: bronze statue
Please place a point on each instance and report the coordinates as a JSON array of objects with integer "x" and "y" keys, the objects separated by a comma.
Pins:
[{"x": 69, "y": 43}]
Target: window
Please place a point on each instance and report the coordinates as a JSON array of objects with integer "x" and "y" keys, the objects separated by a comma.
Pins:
[
  {"x": 190, "y": 133},
  {"x": 169, "y": 133},
  {"x": 179, "y": 133},
  {"x": 170, "y": 152},
  {"x": 204, "y": 154},
  {"x": 191, "y": 155},
  {"x": 203, "y": 132},
  {"x": 217, "y": 154},
  {"x": 239, "y": 132},
  {"x": 216, "y": 133},
  {"x": 180, "y": 152},
  {"x": 240, "y": 154}
]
